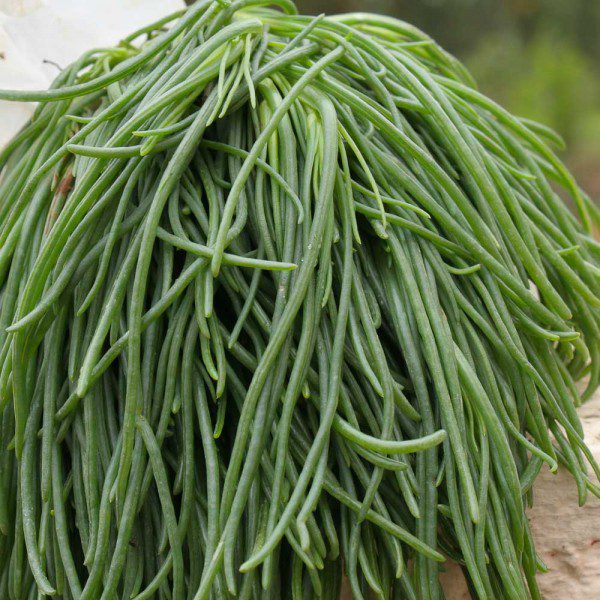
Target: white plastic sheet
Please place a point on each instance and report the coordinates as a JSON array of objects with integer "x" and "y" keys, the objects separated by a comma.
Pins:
[{"x": 37, "y": 37}]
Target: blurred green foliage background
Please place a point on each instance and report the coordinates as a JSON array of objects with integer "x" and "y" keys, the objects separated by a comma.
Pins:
[{"x": 539, "y": 58}]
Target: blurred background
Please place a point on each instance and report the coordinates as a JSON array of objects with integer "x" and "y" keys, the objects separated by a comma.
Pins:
[{"x": 538, "y": 58}]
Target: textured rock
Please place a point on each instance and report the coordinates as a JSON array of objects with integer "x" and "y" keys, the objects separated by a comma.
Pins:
[{"x": 567, "y": 536}]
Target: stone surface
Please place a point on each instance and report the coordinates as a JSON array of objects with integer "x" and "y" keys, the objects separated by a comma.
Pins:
[{"x": 567, "y": 536}]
